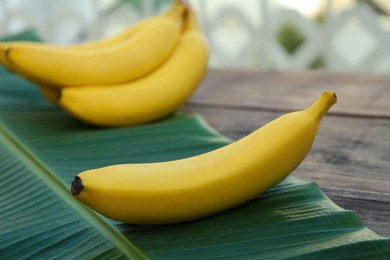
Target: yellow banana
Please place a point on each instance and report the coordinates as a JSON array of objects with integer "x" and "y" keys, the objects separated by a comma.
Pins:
[
  {"x": 91, "y": 45},
  {"x": 150, "y": 97},
  {"x": 106, "y": 42},
  {"x": 126, "y": 34},
  {"x": 177, "y": 7},
  {"x": 199, "y": 186},
  {"x": 127, "y": 60},
  {"x": 51, "y": 93}
]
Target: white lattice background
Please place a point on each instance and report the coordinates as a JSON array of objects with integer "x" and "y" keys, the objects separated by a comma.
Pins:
[{"x": 242, "y": 34}]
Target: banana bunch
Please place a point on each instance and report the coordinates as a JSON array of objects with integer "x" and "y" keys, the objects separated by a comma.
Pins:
[
  {"x": 140, "y": 75},
  {"x": 199, "y": 186}
]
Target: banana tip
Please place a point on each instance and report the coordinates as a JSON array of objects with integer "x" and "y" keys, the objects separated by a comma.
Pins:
[
  {"x": 7, "y": 51},
  {"x": 332, "y": 97},
  {"x": 77, "y": 186}
]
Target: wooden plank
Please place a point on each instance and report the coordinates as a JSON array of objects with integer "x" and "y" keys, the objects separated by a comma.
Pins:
[
  {"x": 372, "y": 208},
  {"x": 358, "y": 94}
]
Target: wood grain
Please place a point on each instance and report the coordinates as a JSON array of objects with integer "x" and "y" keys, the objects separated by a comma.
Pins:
[
  {"x": 351, "y": 154},
  {"x": 358, "y": 94}
]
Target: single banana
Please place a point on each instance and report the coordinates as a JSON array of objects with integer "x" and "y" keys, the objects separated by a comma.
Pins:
[
  {"x": 131, "y": 31},
  {"x": 203, "y": 185},
  {"x": 150, "y": 97},
  {"x": 52, "y": 93},
  {"x": 177, "y": 7},
  {"x": 90, "y": 45},
  {"x": 124, "y": 61}
]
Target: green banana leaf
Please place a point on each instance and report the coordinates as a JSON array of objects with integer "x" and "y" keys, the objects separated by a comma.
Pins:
[{"x": 42, "y": 148}]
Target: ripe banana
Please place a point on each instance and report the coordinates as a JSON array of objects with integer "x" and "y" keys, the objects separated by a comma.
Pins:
[
  {"x": 126, "y": 34},
  {"x": 151, "y": 97},
  {"x": 90, "y": 45},
  {"x": 125, "y": 60},
  {"x": 199, "y": 186},
  {"x": 106, "y": 42},
  {"x": 52, "y": 93}
]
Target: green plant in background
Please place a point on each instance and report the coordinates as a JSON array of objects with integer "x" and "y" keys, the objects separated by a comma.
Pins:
[
  {"x": 291, "y": 39},
  {"x": 30, "y": 34},
  {"x": 318, "y": 63},
  {"x": 139, "y": 4}
]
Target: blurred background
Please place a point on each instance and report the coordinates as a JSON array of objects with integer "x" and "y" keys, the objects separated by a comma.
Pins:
[{"x": 342, "y": 35}]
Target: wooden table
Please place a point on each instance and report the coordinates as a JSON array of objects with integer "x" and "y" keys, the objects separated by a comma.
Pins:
[{"x": 350, "y": 159}]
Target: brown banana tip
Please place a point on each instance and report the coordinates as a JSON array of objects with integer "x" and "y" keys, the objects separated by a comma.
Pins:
[
  {"x": 77, "y": 186},
  {"x": 7, "y": 51}
]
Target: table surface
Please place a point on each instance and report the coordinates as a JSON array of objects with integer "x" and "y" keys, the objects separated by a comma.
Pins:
[{"x": 350, "y": 158}]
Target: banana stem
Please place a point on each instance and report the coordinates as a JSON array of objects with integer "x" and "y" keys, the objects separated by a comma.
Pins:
[
  {"x": 321, "y": 106},
  {"x": 177, "y": 9},
  {"x": 190, "y": 22},
  {"x": 77, "y": 186}
]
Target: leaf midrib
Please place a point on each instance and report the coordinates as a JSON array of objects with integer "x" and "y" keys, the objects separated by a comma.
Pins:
[{"x": 54, "y": 183}]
